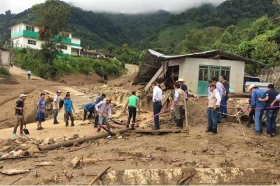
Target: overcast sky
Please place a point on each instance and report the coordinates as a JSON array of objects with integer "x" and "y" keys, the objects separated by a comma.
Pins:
[{"x": 124, "y": 6}]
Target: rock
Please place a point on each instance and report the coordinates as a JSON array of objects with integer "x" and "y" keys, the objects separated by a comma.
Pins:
[
  {"x": 75, "y": 136},
  {"x": 19, "y": 153},
  {"x": 33, "y": 149}
]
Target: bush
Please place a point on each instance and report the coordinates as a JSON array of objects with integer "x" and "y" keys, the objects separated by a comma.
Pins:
[
  {"x": 61, "y": 65},
  {"x": 4, "y": 71}
]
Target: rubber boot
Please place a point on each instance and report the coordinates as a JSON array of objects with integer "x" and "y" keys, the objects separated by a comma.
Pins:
[
  {"x": 72, "y": 124},
  {"x": 249, "y": 122},
  {"x": 66, "y": 124}
]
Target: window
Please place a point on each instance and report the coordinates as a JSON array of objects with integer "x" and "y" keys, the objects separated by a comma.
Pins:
[
  {"x": 30, "y": 28},
  {"x": 31, "y": 42},
  {"x": 63, "y": 47},
  {"x": 203, "y": 73},
  {"x": 15, "y": 30},
  {"x": 20, "y": 28},
  {"x": 17, "y": 42},
  {"x": 208, "y": 72},
  {"x": 225, "y": 71}
]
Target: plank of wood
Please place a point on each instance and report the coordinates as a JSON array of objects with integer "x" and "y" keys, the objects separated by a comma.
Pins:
[
  {"x": 161, "y": 131},
  {"x": 99, "y": 176}
]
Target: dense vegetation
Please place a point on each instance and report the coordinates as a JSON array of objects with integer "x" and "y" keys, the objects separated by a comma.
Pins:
[
  {"x": 245, "y": 27},
  {"x": 4, "y": 71},
  {"x": 29, "y": 59}
]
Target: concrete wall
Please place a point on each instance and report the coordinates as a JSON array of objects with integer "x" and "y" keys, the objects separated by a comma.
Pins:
[
  {"x": 189, "y": 71},
  {"x": 5, "y": 58}
]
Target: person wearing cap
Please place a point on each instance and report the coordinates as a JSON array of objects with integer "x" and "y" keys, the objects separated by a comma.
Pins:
[
  {"x": 98, "y": 99},
  {"x": 19, "y": 115},
  {"x": 41, "y": 107},
  {"x": 271, "y": 110},
  {"x": 28, "y": 74},
  {"x": 132, "y": 103},
  {"x": 69, "y": 110},
  {"x": 214, "y": 101},
  {"x": 56, "y": 108},
  {"x": 258, "y": 106},
  {"x": 179, "y": 96},
  {"x": 184, "y": 87},
  {"x": 104, "y": 111},
  {"x": 157, "y": 104}
]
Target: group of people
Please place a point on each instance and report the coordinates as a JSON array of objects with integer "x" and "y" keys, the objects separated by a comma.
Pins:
[
  {"x": 261, "y": 101},
  {"x": 58, "y": 104}
]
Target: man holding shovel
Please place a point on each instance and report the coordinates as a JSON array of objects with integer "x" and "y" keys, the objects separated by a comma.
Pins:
[{"x": 104, "y": 112}]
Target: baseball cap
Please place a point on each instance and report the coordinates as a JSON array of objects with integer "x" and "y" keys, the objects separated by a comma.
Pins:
[
  {"x": 22, "y": 95},
  {"x": 109, "y": 99},
  {"x": 58, "y": 91},
  {"x": 180, "y": 80}
]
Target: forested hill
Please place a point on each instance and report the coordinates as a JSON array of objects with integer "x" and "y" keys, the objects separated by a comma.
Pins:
[{"x": 155, "y": 30}]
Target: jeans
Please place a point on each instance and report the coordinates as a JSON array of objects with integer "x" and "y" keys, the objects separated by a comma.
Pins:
[
  {"x": 157, "y": 106},
  {"x": 55, "y": 113},
  {"x": 131, "y": 114},
  {"x": 271, "y": 116},
  {"x": 258, "y": 120},
  {"x": 212, "y": 120},
  {"x": 85, "y": 114},
  {"x": 20, "y": 123},
  {"x": 96, "y": 118},
  {"x": 223, "y": 108},
  {"x": 102, "y": 120}
]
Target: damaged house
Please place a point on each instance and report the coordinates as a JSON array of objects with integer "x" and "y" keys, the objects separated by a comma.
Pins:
[{"x": 195, "y": 68}]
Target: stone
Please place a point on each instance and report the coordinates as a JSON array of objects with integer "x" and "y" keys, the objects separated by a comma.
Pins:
[{"x": 33, "y": 149}]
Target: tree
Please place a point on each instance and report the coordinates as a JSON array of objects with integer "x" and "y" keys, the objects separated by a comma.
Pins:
[
  {"x": 51, "y": 17},
  {"x": 110, "y": 48}
]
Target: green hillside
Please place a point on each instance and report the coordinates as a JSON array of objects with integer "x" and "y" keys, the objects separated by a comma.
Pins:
[{"x": 161, "y": 30}]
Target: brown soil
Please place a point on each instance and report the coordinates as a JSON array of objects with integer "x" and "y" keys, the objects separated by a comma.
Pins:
[
  {"x": 228, "y": 149},
  {"x": 80, "y": 79}
]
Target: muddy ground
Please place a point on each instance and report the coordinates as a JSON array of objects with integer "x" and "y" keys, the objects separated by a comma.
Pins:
[{"x": 228, "y": 149}]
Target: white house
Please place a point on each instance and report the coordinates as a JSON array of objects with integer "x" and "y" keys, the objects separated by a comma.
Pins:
[
  {"x": 195, "y": 68},
  {"x": 26, "y": 36}
]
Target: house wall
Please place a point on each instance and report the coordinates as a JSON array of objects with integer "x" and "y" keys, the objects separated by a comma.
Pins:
[
  {"x": 189, "y": 71},
  {"x": 4, "y": 58}
]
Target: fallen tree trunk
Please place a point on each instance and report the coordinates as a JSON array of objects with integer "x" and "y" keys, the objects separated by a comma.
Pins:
[
  {"x": 78, "y": 141},
  {"x": 161, "y": 131},
  {"x": 94, "y": 160}
]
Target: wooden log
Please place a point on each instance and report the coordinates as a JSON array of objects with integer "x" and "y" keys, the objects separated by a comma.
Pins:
[
  {"x": 94, "y": 160},
  {"x": 78, "y": 141},
  {"x": 161, "y": 131},
  {"x": 99, "y": 176}
]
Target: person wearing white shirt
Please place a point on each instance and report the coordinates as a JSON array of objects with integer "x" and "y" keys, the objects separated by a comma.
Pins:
[
  {"x": 157, "y": 104},
  {"x": 222, "y": 91},
  {"x": 56, "y": 108},
  {"x": 213, "y": 107},
  {"x": 104, "y": 111},
  {"x": 179, "y": 97}
]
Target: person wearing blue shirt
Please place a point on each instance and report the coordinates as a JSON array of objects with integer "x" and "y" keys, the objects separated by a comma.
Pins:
[
  {"x": 88, "y": 108},
  {"x": 69, "y": 109},
  {"x": 98, "y": 100},
  {"x": 41, "y": 107},
  {"x": 272, "y": 109},
  {"x": 258, "y": 106}
]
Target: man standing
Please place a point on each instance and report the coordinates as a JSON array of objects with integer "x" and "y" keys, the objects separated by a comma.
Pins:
[
  {"x": 28, "y": 74},
  {"x": 132, "y": 103},
  {"x": 41, "y": 106},
  {"x": 179, "y": 97},
  {"x": 69, "y": 110},
  {"x": 271, "y": 110},
  {"x": 213, "y": 107},
  {"x": 258, "y": 106},
  {"x": 98, "y": 100},
  {"x": 88, "y": 108},
  {"x": 222, "y": 91},
  {"x": 104, "y": 111},
  {"x": 157, "y": 105},
  {"x": 56, "y": 108},
  {"x": 223, "y": 80},
  {"x": 19, "y": 115}
]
